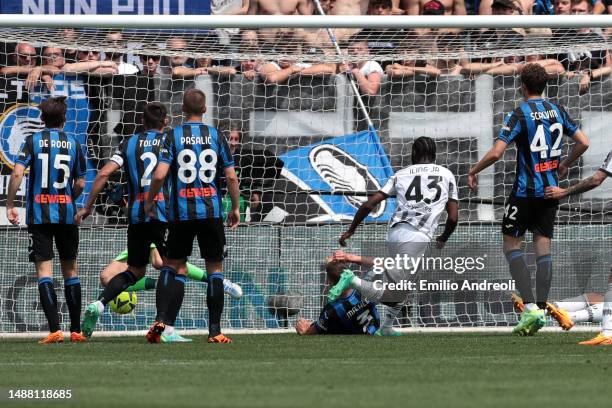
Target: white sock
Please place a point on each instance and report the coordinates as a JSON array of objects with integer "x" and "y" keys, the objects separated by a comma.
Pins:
[
  {"x": 99, "y": 305},
  {"x": 367, "y": 289},
  {"x": 590, "y": 314},
  {"x": 356, "y": 282},
  {"x": 391, "y": 314},
  {"x": 169, "y": 330},
  {"x": 531, "y": 306},
  {"x": 573, "y": 304},
  {"x": 606, "y": 318}
]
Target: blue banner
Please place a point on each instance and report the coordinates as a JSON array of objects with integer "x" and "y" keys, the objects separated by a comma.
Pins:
[
  {"x": 115, "y": 7},
  {"x": 352, "y": 163}
]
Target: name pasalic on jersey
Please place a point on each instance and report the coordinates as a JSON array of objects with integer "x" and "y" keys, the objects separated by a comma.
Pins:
[
  {"x": 543, "y": 115},
  {"x": 191, "y": 140}
]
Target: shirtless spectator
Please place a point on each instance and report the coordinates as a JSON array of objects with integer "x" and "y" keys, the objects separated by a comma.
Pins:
[
  {"x": 52, "y": 63},
  {"x": 416, "y": 7},
  {"x": 515, "y": 65},
  {"x": 412, "y": 68},
  {"x": 234, "y": 7},
  {"x": 281, "y": 72},
  {"x": 368, "y": 73},
  {"x": 275, "y": 7}
]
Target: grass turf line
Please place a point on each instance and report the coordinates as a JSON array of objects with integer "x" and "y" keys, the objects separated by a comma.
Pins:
[{"x": 424, "y": 369}]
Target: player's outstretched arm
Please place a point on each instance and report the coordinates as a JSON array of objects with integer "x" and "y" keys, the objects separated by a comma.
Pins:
[
  {"x": 14, "y": 183},
  {"x": 489, "y": 159},
  {"x": 364, "y": 210},
  {"x": 99, "y": 183},
  {"x": 581, "y": 144},
  {"x": 341, "y": 256},
  {"x": 583, "y": 186},
  {"x": 452, "y": 209},
  {"x": 304, "y": 327},
  {"x": 157, "y": 181}
]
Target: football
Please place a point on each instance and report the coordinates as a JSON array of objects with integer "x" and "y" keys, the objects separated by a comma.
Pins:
[{"x": 124, "y": 303}]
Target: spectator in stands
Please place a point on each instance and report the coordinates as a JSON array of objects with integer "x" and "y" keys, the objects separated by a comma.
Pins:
[
  {"x": 367, "y": 72},
  {"x": 385, "y": 41},
  {"x": 176, "y": 44},
  {"x": 70, "y": 35},
  {"x": 506, "y": 7},
  {"x": 25, "y": 60},
  {"x": 563, "y": 7},
  {"x": 348, "y": 7},
  {"x": 115, "y": 40},
  {"x": 281, "y": 72},
  {"x": 230, "y": 6},
  {"x": 52, "y": 63},
  {"x": 272, "y": 7},
  {"x": 203, "y": 66},
  {"x": 447, "y": 7},
  {"x": 515, "y": 66},
  {"x": 411, "y": 68}
]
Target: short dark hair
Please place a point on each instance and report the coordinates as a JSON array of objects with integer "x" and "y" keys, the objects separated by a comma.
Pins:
[
  {"x": 383, "y": 3},
  {"x": 333, "y": 271},
  {"x": 534, "y": 78},
  {"x": 194, "y": 102},
  {"x": 154, "y": 115},
  {"x": 423, "y": 150},
  {"x": 53, "y": 111}
]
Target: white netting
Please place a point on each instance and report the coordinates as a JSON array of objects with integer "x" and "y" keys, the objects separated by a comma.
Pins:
[{"x": 285, "y": 96}]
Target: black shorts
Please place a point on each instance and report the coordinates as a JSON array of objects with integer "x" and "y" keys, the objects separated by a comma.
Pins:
[
  {"x": 211, "y": 239},
  {"x": 534, "y": 214},
  {"x": 140, "y": 238},
  {"x": 41, "y": 237}
]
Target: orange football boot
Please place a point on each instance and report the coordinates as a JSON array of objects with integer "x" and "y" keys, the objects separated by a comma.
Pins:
[
  {"x": 599, "y": 340},
  {"x": 154, "y": 334},
  {"x": 77, "y": 337},
  {"x": 560, "y": 316},
  {"x": 219, "y": 338},
  {"x": 55, "y": 337}
]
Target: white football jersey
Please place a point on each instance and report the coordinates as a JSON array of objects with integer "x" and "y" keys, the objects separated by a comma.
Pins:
[
  {"x": 606, "y": 167},
  {"x": 422, "y": 191}
]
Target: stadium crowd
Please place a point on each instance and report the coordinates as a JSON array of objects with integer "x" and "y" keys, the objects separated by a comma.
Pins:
[{"x": 126, "y": 83}]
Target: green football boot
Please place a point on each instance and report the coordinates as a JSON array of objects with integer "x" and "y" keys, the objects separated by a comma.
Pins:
[
  {"x": 530, "y": 323},
  {"x": 343, "y": 284},
  {"x": 92, "y": 313},
  {"x": 174, "y": 338}
]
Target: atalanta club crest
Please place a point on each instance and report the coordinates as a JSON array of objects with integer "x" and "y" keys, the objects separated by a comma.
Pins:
[
  {"x": 345, "y": 174},
  {"x": 16, "y": 123}
]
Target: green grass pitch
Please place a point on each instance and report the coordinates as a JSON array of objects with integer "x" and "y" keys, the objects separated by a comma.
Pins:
[{"x": 283, "y": 370}]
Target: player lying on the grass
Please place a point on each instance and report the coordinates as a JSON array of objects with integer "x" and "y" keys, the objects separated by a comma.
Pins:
[
  {"x": 138, "y": 155},
  {"x": 194, "y": 157},
  {"x": 424, "y": 190},
  {"x": 537, "y": 127},
  {"x": 194, "y": 273},
  {"x": 349, "y": 314},
  {"x": 605, "y": 171},
  {"x": 57, "y": 177}
]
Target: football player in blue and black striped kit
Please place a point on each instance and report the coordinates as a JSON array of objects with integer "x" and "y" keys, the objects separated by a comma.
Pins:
[
  {"x": 57, "y": 178},
  {"x": 537, "y": 128},
  {"x": 138, "y": 155},
  {"x": 194, "y": 157}
]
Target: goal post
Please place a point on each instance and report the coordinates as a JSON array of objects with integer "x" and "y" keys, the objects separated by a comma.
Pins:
[{"x": 306, "y": 155}]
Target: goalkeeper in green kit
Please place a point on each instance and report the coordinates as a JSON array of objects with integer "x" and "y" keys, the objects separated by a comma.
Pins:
[{"x": 194, "y": 273}]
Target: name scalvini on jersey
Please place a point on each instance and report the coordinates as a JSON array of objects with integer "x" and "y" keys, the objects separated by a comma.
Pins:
[
  {"x": 197, "y": 156},
  {"x": 422, "y": 192}
]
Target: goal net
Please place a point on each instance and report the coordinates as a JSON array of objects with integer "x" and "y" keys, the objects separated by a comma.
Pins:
[{"x": 308, "y": 154}]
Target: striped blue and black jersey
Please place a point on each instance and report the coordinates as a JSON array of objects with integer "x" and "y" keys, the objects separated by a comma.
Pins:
[
  {"x": 55, "y": 160},
  {"x": 197, "y": 156},
  {"x": 537, "y": 127},
  {"x": 139, "y": 155},
  {"x": 348, "y": 315}
]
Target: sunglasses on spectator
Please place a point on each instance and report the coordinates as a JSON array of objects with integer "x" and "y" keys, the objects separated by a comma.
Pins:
[
  {"x": 89, "y": 52},
  {"x": 26, "y": 56},
  {"x": 52, "y": 55}
]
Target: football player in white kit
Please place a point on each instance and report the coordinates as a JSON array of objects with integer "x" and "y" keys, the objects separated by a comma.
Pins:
[{"x": 423, "y": 190}]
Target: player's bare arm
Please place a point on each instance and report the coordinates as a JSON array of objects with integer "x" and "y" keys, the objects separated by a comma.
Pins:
[
  {"x": 490, "y": 158},
  {"x": 364, "y": 210},
  {"x": 231, "y": 179},
  {"x": 452, "y": 210},
  {"x": 16, "y": 176},
  {"x": 157, "y": 181},
  {"x": 583, "y": 186},
  {"x": 581, "y": 144},
  {"x": 99, "y": 183},
  {"x": 304, "y": 327}
]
